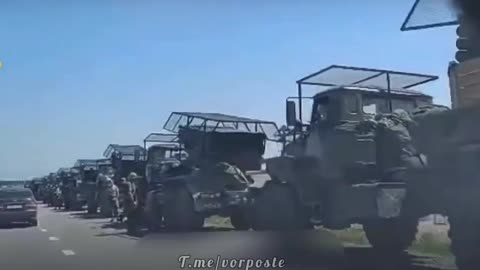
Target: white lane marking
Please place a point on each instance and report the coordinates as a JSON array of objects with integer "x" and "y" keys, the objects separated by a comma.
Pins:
[
  {"x": 43, "y": 230},
  {"x": 68, "y": 252},
  {"x": 53, "y": 238}
]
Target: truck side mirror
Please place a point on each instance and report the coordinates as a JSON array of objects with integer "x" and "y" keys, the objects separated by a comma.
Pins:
[{"x": 291, "y": 113}]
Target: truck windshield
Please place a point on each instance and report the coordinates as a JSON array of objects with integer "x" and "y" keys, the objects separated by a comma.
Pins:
[
  {"x": 376, "y": 105},
  {"x": 320, "y": 109}
]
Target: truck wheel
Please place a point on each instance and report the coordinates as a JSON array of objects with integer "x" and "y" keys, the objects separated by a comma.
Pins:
[
  {"x": 154, "y": 221},
  {"x": 67, "y": 205},
  {"x": 239, "y": 220},
  {"x": 276, "y": 208},
  {"x": 391, "y": 236},
  {"x": 464, "y": 235},
  {"x": 92, "y": 208},
  {"x": 179, "y": 213}
]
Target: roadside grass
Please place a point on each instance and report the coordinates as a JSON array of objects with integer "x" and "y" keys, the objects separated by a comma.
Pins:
[
  {"x": 431, "y": 244},
  {"x": 427, "y": 243},
  {"x": 217, "y": 221},
  {"x": 354, "y": 236}
]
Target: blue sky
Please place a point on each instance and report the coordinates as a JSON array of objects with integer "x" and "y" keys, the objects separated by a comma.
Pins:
[{"x": 77, "y": 77}]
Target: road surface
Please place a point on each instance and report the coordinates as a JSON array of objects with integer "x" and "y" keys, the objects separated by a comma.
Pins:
[{"x": 74, "y": 240}]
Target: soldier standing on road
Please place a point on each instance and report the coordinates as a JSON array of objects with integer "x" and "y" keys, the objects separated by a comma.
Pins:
[
  {"x": 113, "y": 194},
  {"x": 126, "y": 197},
  {"x": 58, "y": 198},
  {"x": 135, "y": 215}
]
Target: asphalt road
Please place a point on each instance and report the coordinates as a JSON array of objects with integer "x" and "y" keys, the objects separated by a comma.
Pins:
[{"x": 74, "y": 240}]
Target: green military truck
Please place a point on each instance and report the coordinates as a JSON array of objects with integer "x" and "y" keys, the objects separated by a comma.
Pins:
[
  {"x": 69, "y": 179},
  {"x": 220, "y": 149},
  {"x": 338, "y": 168},
  {"x": 88, "y": 171}
]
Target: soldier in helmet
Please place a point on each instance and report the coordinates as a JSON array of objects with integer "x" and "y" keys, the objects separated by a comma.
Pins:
[
  {"x": 113, "y": 195},
  {"x": 135, "y": 214},
  {"x": 127, "y": 200}
]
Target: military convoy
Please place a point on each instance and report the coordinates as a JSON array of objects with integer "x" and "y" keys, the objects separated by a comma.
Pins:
[
  {"x": 367, "y": 154},
  {"x": 372, "y": 152}
]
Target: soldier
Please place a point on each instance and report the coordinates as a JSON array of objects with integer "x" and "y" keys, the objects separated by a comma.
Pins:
[
  {"x": 58, "y": 198},
  {"x": 135, "y": 215},
  {"x": 113, "y": 194},
  {"x": 127, "y": 200}
]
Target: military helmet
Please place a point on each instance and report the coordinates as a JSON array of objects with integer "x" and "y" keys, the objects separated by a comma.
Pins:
[
  {"x": 132, "y": 176},
  {"x": 402, "y": 115},
  {"x": 109, "y": 182}
]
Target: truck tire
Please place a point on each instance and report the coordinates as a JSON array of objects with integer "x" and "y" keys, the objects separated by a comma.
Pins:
[
  {"x": 67, "y": 205},
  {"x": 92, "y": 208},
  {"x": 179, "y": 212},
  {"x": 391, "y": 236},
  {"x": 153, "y": 214},
  {"x": 276, "y": 208},
  {"x": 240, "y": 220},
  {"x": 464, "y": 235}
]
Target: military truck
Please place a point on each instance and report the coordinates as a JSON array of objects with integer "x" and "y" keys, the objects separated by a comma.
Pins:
[
  {"x": 448, "y": 184},
  {"x": 164, "y": 153},
  {"x": 70, "y": 181},
  {"x": 334, "y": 172},
  {"x": 51, "y": 182},
  {"x": 35, "y": 186},
  {"x": 211, "y": 180},
  {"x": 126, "y": 159},
  {"x": 88, "y": 171}
]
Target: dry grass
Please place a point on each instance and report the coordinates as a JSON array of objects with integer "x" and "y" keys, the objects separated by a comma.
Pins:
[{"x": 217, "y": 221}]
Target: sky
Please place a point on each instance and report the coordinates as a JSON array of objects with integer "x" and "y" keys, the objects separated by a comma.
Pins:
[{"x": 79, "y": 75}]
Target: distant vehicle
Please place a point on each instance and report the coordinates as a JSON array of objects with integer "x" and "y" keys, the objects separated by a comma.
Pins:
[{"x": 17, "y": 205}]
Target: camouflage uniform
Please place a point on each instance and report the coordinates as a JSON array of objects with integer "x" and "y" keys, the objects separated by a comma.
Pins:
[
  {"x": 136, "y": 214},
  {"x": 112, "y": 195},
  {"x": 58, "y": 198},
  {"x": 127, "y": 201}
]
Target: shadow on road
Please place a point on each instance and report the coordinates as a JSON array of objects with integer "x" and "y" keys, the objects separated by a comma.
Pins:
[
  {"x": 15, "y": 226},
  {"x": 312, "y": 250},
  {"x": 114, "y": 225},
  {"x": 85, "y": 215}
]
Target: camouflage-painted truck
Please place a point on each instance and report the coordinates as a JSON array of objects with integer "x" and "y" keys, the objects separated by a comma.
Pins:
[
  {"x": 449, "y": 183},
  {"x": 125, "y": 159},
  {"x": 164, "y": 153},
  {"x": 88, "y": 171},
  {"x": 337, "y": 168},
  {"x": 213, "y": 178},
  {"x": 70, "y": 181}
]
